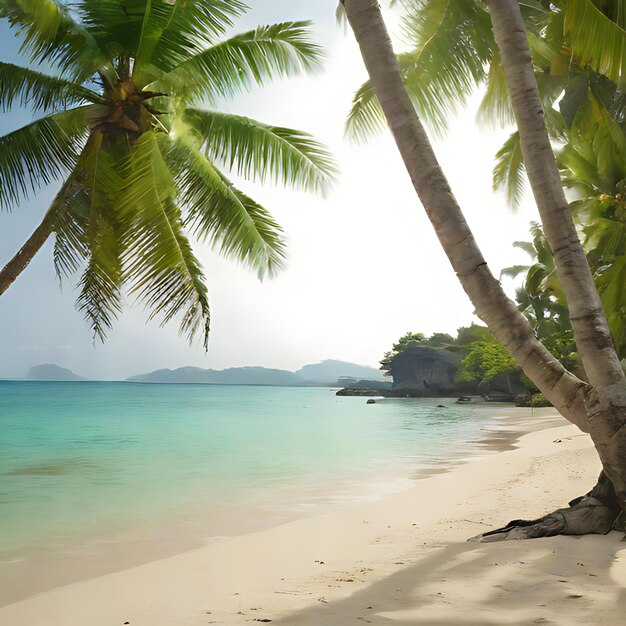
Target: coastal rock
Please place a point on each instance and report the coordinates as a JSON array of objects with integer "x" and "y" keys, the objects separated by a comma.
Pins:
[
  {"x": 358, "y": 392},
  {"x": 428, "y": 372}
]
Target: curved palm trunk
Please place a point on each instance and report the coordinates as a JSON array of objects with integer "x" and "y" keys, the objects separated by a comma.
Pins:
[
  {"x": 567, "y": 393},
  {"x": 593, "y": 338},
  {"x": 26, "y": 253},
  {"x": 606, "y": 402}
]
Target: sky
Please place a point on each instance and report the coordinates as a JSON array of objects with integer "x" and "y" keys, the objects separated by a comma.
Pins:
[{"x": 363, "y": 267}]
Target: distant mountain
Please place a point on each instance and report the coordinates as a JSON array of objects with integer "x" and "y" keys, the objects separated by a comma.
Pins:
[
  {"x": 51, "y": 372},
  {"x": 330, "y": 371},
  {"x": 231, "y": 376}
]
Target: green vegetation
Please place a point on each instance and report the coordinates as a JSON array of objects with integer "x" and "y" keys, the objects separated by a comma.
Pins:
[
  {"x": 486, "y": 361},
  {"x": 141, "y": 164}
]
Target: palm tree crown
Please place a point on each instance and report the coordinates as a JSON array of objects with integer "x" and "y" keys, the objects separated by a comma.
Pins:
[{"x": 120, "y": 122}]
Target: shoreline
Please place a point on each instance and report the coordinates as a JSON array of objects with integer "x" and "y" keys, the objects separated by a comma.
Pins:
[
  {"x": 400, "y": 559},
  {"x": 46, "y": 566}
]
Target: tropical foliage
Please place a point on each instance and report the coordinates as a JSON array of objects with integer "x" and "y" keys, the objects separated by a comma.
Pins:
[
  {"x": 466, "y": 335},
  {"x": 119, "y": 88},
  {"x": 486, "y": 361}
]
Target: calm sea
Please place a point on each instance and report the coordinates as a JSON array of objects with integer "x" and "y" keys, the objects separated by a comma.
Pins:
[{"x": 86, "y": 460}]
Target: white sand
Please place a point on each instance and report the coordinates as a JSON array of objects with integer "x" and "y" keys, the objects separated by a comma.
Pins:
[{"x": 401, "y": 561}]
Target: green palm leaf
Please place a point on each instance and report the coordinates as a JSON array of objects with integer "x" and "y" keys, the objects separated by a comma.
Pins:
[
  {"x": 262, "y": 152},
  {"x": 51, "y": 34},
  {"x": 508, "y": 173},
  {"x": 514, "y": 271},
  {"x": 26, "y": 87},
  {"x": 217, "y": 211},
  {"x": 366, "y": 117},
  {"x": 495, "y": 108},
  {"x": 35, "y": 155},
  {"x": 71, "y": 222},
  {"x": 453, "y": 42},
  {"x": 235, "y": 65},
  {"x": 100, "y": 284},
  {"x": 160, "y": 266},
  {"x": 175, "y": 30},
  {"x": 595, "y": 39}
]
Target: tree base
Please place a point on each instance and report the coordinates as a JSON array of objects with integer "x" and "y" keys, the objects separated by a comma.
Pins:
[{"x": 595, "y": 513}]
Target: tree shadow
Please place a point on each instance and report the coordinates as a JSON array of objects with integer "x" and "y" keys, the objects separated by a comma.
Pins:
[{"x": 557, "y": 580}]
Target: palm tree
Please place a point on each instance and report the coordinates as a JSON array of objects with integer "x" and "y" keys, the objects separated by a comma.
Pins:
[
  {"x": 142, "y": 163},
  {"x": 598, "y": 407}
]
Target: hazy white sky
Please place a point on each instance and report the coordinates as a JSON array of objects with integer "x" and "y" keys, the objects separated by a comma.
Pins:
[{"x": 364, "y": 266}]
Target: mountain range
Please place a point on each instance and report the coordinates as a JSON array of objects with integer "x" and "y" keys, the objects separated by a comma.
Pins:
[{"x": 325, "y": 373}]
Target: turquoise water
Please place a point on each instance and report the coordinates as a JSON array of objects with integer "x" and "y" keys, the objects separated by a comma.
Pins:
[{"x": 89, "y": 459}]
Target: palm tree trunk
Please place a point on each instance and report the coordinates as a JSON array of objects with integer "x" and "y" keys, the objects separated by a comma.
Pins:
[
  {"x": 566, "y": 392},
  {"x": 606, "y": 401},
  {"x": 593, "y": 338},
  {"x": 26, "y": 253}
]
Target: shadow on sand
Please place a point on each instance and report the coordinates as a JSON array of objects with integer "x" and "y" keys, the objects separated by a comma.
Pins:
[{"x": 560, "y": 580}]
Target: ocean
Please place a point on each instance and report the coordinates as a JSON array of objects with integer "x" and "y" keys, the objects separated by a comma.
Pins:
[{"x": 86, "y": 462}]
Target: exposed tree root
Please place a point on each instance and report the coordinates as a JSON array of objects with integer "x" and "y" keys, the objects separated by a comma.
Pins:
[{"x": 595, "y": 513}]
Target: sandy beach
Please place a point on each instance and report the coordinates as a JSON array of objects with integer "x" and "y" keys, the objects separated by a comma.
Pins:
[{"x": 401, "y": 560}]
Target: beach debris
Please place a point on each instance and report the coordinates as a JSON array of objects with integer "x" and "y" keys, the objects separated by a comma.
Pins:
[
  {"x": 323, "y": 599},
  {"x": 371, "y": 401},
  {"x": 574, "y": 595},
  {"x": 557, "y": 441},
  {"x": 261, "y": 619},
  {"x": 320, "y": 562}
]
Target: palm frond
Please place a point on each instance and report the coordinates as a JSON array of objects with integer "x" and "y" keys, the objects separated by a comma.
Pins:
[
  {"x": 161, "y": 269},
  {"x": 100, "y": 297},
  {"x": 595, "y": 39},
  {"x": 366, "y": 118},
  {"x": 50, "y": 34},
  {"x": 508, "y": 172},
  {"x": 26, "y": 87},
  {"x": 71, "y": 246},
  {"x": 175, "y": 30},
  {"x": 611, "y": 283},
  {"x": 514, "y": 271},
  {"x": 39, "y": 153},
  {"x": 495, "y": 108},
  {"x": 262, "y": 152},
  {"x": 527, "y": 247},
  {"x": 453, "y": 43},
  {"x": 253, "y": 58},
  {"x": 218, "y": 212}
]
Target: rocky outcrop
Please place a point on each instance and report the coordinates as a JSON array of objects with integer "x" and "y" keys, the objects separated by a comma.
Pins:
[
  {"x": 358, "y": 392},
  {"x": 429, "y": 372}
]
